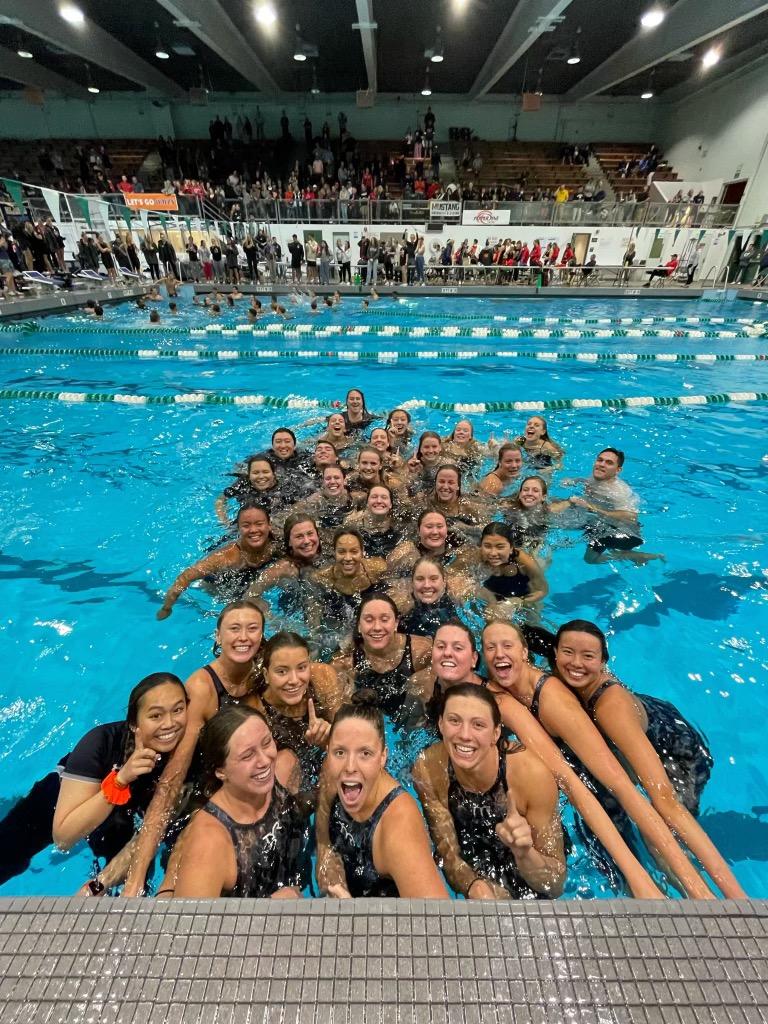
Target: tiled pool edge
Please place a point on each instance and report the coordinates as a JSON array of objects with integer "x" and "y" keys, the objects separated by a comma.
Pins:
[{"x": 591, "y": 962}]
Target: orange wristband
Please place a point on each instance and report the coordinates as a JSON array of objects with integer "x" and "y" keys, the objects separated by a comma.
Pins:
[{"x": 113, "y": 792}]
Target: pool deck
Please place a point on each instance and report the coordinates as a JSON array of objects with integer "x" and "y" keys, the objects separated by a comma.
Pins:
[
  {"x": 60, "y": 301},
  {"x": 72, "y": 961}
]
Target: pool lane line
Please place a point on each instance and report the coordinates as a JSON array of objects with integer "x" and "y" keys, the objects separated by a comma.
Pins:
[
  {"x": 393, "y": 330},
  {"x": 299, "y": 402},
  {"x": 383, "y": 355}
]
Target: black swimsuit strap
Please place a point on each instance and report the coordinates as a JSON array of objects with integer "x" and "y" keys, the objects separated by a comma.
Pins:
[
  {"x": 537, "y": 694},
  {"x": 591, "y": 704},
  {"x": 221, "y": 691}
]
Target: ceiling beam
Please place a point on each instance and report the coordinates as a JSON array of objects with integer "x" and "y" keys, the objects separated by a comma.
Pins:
[
  {"x": 29, "y": 72},
  {"x": 367, "y": 28},
  {"x": 212, "y": 25},
  {"x": 529, "y": 20},
  {"x": 89, "y": 42},
  {"x": 688, "y": 23},
  {"x": 732, "y": 67}
]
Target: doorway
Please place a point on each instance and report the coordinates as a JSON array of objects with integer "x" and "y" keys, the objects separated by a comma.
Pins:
[
  {"x": 732, "y": 192},
  {"x": 580, "y": 245}
]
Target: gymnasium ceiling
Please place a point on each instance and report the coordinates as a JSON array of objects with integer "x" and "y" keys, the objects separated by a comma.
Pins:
[{"x": 491, "y": 47}]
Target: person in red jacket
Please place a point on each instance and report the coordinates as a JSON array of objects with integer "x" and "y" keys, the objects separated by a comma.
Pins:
[{"x": 667, "y": 270}]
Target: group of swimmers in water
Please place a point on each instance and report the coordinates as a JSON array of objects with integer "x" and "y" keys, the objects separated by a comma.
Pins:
[{"x": 384, "y": 553}]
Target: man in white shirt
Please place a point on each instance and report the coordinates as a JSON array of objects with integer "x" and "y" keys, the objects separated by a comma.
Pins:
[{"x": 613, "y": 530}]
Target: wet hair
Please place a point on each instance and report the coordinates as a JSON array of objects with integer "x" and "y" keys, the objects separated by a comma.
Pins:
[
  {"x": 335, "y": 465},
  {"x": 215, "y": 307},
  {"x": 330, "y": 416},
  {"x": 154, "y": 316},
  {"x": 135, "y": 698},
  {"x": 382, "y": 487},
  {"x": 429, "y": 512},
  {"x": 378, "y": 595},
  {"x": 501, "y": 530},
  {"x": 369, "y": 450},
  {"x": 545, "y": 436},
  {"x": 348, "y": 531},
  {"x": 294, "y": 520},
  {"x": 584, "y": 626},
  {"x": 615, "y": 451},
  {"x": 539, "y": 479},
  {"x": 476, "y": 693},
  {"x": 508, "y": 446},
  {"x": 215, "y": 737},
  {"x": 280, "y": 641},
  {"x": 455, "y": 469},
  {"x": 405, "y": 412},
  {"x": 283, "y": 430},
  {"x": 456, "y": 623},
  {"x": 98, "y": 309},
  {"x": 430, "y": 561},
  {"x": 172, "y": 306},
  {"x": 452, "y": 437},
  {"x": 510, "y": 625},
  {"x": 363, "y": 704},
  {"x": 423, "y": 438},
  {"x": 249, "y": 506},
  {"x": 259, "y": 458},
  {"x": 230, "y": 301},
  {"x": 384, "y": 430},
  {"x": 365, "y": 406}
]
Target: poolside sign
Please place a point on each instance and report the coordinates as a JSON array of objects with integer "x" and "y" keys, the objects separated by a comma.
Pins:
[
  {"x": 444, "y": 209},
  {"x": 151, "y": 201},
  {"x": 486, "y": 218}
]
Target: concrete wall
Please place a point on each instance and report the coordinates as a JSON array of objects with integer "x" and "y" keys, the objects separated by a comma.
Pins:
[
  {"x": 723, "y": 133},
  {"x": 112, "y": 115}
]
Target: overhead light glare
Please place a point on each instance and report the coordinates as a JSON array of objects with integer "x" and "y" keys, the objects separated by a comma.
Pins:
[
  {"x": 72, "y": 14},
  {"x": 653, "y": 17},
  {"x": 299, "y": 55},
  {"x": 94, "y": 89},
  {"x": 437, "y": 58},
  {"x": 162, "y": 55},
  {"x": 25, "y": 54},
  {"x": 574, "y": 59},
  {"x": 575, "y": 55},
  {"x": 711, "y": 57},
  {"x": 427, "y": 90},
  {"x": 647, "y": 95},
  {"x": 266, "y": 14}
]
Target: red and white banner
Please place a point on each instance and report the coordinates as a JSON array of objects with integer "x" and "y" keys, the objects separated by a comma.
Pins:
[{"x": 486, "y": 218}]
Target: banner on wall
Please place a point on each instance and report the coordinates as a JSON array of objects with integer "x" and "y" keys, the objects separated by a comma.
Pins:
[
  {"x": 151, "y": 201},
  {"x": 13, "y": 188},
  {"x": 486, "y": 218},
  {"x": 444, "y": 209}
]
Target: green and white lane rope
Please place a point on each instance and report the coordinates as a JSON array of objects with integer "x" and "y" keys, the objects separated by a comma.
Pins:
[
  {"x": 465, "y": 408},
  {"x": 383, "y": 355},
  {"x": 292, "y": 329}
]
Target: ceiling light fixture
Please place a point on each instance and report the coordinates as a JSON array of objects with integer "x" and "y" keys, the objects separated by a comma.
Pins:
[
  {"x": 160, "y": 51},
  {"x": 299, "y": 48},
  {"x": 94, "y": 89},
  {"x": 265, "y": 14},
  {"x": 436, "y": 55},
  {"x": 575, "y": 55},
  {"x": 315, "y": 90},
  {"x": 653, "y": 17},
  {"x": 72, "y": 14},
  {"x": 162, "y": 54},
  {"x": 711, "y": 57},
  {"x": 427, "y": 90},
  {"x": 647, "y": 93},
  {"x": 540, "y": 82},
  {"x": 25, "y": 54}
]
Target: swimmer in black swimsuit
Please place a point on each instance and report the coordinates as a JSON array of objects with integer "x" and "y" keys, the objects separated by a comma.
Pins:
[
  {"x": 492, "y": 810},
  {"x": 101, "y": 786},
  {"x": 383, "y": 660},
  {"x": 425, "y": 603},
  {"x": 528, "y": 513},
  {"x": 356, "y": 415},
  {"x": 259, "y": 484},
  {"x": 371, "y": 839},
  {"x": 433, "y": 539},
  {"x": 462, "y": 514},
  {"x": 338, "y": 590},
  {"x": 375, "y": 523},
  {"x": 249, "y": 839},
  {"x": 512, "y": 574},
  {"x": 668, "y": 755},
  {"x": 230, "y": 678},
  {"x": 542, "y": 451}
]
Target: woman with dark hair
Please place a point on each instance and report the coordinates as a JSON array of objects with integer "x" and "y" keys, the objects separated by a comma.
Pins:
[
  {"x": 492, "y": 808},
  {"x": 535, "y": 441},
  {"x": 528, "y": 512},
  {"x": 289, "y": 463},
  {"x": 512, "y": 679},
  {"x": 425, "y": 462},
  {"x": 336, "y": 432},
  {"x": 229, "y": 678},
  {"x": 235, "y": 565},
  {"x": 258, "y": 484},
  {"x": 366, "y": 473},
  {"x": 398, "y": 426},
  {"x": 371, "y": 839},
  {"x": 101, "y": 785},
  {"x": 332, "y": 503},
  {"x": 356, "y": 415},
  {"x": 298, "y": 697},
  {"x": 382, "y": 659},
  {"x": 461, "y": 513},
  {"x": 339, "y": 589},
  {"x": 433, "y": 538},
  {"x": 382, "y": 442},
  {"x": 667, "y": 755},
  {"x": 303, "y": 556},
  {"x": 424, "y": 601},
  {"x": 376, "y": 524},
  {"x": 249, "y": 838},
  {"x": 503, "y": 572},
  {"x": 509, "y": 463}
]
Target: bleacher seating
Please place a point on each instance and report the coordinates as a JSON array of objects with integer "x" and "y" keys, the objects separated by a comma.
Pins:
[
  {"x": 613, "y": 155},
  {"x": 505, "y": 163},
  {"x": 19, "y": 158}
]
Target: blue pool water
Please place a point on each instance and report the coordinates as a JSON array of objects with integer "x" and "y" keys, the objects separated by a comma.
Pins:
[{"x": 104, "y": 504}]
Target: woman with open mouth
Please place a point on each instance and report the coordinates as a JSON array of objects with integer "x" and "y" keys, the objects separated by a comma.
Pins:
[
  {"x": 100, "y": 787},
  {"x": 528, "y": 513},
  {"x": 336, "y": 432},
  {"x": 666, "y": 754},
  {"x": 462, "y": 514},
  {"x": 542, "y": 451},
  {"x": 382, "y": 442},
  {"x": 425, "y": 462},
  {"x": 332, "y": 503},
  {"x": 248, "y": 839},
  {"x": 512, "y": 678},
  {"x": 492, "y": 808},
  {"x": 356, "y": 415},
  {"x": 258, "y": 484},
  {"x": 499, "y": 572},
  {"x": 382, "y": 659},
  {"x": 371, "y": 837},
  {"x": 298, "y": 697},
  {"x": 303, "y": 556},
  {"x": 340, "y": 587},
  {"x": 398, "y": 426},
  {"x": 462, "y": 446},
  {"x": 433, "y": 539},
  {"x": 376, "y": 523}
]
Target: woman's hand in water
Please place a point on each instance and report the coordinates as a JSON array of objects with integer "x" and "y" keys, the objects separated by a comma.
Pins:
[
  {"x": 484, "y": 889},
  {"x": 141, "y": 762},
  {"x": 318, "y": 729},
  {"x": 514, "y": 831},
  {"x": 338, "y": 892}
]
